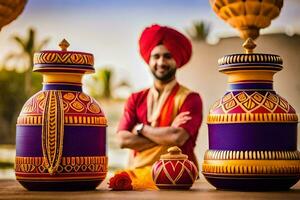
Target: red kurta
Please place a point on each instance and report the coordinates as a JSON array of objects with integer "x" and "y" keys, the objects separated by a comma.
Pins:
[{"x": 136, "y": 112}]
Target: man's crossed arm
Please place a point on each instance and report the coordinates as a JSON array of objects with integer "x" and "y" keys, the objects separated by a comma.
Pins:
[{"x": 152, "y": 136}]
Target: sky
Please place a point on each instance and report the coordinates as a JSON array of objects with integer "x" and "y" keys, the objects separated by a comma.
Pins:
[{"x": 110, "y": 29}]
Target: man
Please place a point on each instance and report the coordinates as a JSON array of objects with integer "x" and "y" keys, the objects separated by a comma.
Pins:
[{"x": 167, "y": 114}]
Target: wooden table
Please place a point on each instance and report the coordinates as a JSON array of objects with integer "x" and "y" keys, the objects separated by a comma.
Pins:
[{"x": 10, "y": 189}]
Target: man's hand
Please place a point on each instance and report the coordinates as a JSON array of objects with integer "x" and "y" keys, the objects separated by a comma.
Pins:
[
  {"x": 130, "y": 140},
  {"x": 152, "y": 136},
  {"x": 180, "y": 119},
  {"x": 169, "y": 135}
]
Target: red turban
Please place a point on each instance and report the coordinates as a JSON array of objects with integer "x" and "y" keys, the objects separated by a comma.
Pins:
[{"x": 179, "y": 46}]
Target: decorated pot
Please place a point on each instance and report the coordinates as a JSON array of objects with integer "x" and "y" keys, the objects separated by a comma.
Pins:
[
  {"x": 174, "y": 170},
  {"x": 10, "y": 10},
  {"x": 61, "y": 131},
  {"x": 248, "y": 16},
  {"x": 252, "y": 130}
]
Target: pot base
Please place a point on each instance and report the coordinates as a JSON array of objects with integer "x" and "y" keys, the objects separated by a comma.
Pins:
[
  {"x": 61, "y": 185},
  {"x": 173, "y": 187},
  {"x": 253, "y": 183}
]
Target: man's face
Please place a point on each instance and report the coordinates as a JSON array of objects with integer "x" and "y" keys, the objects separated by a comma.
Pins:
[{"x": 162, "y": 64}]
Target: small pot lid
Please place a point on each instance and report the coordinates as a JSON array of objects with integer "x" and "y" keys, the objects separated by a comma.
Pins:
[
  {"x": 250, "y": 60},
  {"x": 63, "y": 60},
  {"x": 174, "y": 153}
]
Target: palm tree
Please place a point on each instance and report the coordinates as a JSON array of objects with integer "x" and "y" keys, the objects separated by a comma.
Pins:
[
  {"x": 199, "y": 30},
  {"x": 105, "y": 75},
  {"x": 29, "y": 46},
  {"x": 99, "y": 85}
]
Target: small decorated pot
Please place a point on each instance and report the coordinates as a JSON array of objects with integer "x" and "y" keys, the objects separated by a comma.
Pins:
[{"x": 174, "y": 170}]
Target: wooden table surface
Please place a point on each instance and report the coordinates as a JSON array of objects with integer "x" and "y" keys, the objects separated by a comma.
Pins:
[{"x": 10, "y": 189}]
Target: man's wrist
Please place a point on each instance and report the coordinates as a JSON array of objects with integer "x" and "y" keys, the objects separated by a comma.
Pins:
[{"x": 139, "y": 128}]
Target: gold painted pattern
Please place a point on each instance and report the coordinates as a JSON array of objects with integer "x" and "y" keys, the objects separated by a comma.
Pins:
[
  {"x": 36, "y": 120},
  {"x": 75, "y": 58},
  {"x": 67, "y": 164},
  {"x": 73, "y": 103},
  {"x": 86, "y": 120},
  {"x": 76, "y": 105},
  {"x": 250, "y": 58},
  {"x": 251, "y": 155},
  {"x": 220, "y": 111},
  {"x": 53, "y": 131},
  {"x": 69, "y": 96},
  {"x": 84, "y": 97},
  {"x": 162, "y": 169},
  {"x": 77, "y": 177},
  {"x": 252, "y": 167},
  {"x": 79, "y": 109},
  {"x": 251, "y": 117}
]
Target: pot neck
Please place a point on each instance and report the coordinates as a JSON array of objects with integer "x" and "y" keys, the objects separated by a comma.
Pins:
[
  {"x": 243, "y": 80},
  {"x": 62, "y": 81}
]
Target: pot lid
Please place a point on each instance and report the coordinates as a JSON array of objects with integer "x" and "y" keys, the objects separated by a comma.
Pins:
[
  {"x": 63, "y": 60},
  {"x": 174, "y": 153},
  {"x": 250, "y": 60}
]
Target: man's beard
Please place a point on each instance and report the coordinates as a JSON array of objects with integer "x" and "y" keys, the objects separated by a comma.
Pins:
[{"x": 166, "y": 77}]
